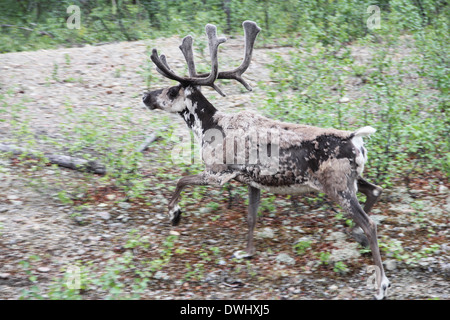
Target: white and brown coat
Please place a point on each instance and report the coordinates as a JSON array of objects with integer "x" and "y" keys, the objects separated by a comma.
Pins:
[{"x": 306, "y": 158}]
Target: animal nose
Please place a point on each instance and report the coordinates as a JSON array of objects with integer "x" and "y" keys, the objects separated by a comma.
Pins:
[{"x": 146, "y": 99}]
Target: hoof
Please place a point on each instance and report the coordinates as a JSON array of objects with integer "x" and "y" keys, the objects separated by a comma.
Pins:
[
  {"x": 175, "y": 216},
  {"x": 360, "y": 237},
  {"x": 383, "y": 290},
  {"x": 241, "y": 255}
]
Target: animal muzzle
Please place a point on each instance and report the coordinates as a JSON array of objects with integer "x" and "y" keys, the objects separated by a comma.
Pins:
[{"x": 148, "y": 101}]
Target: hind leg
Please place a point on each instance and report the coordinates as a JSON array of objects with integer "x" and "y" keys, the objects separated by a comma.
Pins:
[
  {"x": 350, "y": 203},
  {"x": 372, "y": 193}
]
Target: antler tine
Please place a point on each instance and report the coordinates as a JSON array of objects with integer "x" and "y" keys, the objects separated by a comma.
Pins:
[
  {"x": 251, "y": 31},
  {"x": 214, "y": 42},
  {"x": 186, "y": 48},
  {"x": 163, "y": 67}
]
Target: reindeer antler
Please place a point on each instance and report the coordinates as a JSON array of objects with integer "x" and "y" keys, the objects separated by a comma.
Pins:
[
  {"x": 186, "y": 48},
  {"x": 251, "y": 30}
]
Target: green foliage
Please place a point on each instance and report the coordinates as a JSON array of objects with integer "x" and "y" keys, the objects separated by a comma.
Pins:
[
  {"x": 35, "y": 24},
  {"x": 324, "y": 257},
  {"x": 340, "y": 267},
  {"x": 88, "y": 135},
  {"x": 301, "y": 246},
  {"x": 108, "y": 279},
  {"x": 395, "y": 248},
  {"x": 403, "y": 95},
  {"x": 401, "y": 73}
]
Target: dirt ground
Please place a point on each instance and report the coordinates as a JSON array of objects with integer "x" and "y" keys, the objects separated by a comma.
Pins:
[{"x": 40, "y": 236}]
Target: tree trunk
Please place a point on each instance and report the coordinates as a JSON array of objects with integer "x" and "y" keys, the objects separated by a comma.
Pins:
[{"x": 227, "y": 9}]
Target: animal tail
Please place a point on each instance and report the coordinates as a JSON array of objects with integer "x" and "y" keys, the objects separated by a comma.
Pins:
[
  {"x": 361, "y": 152},
  {"x": 363, "y": 132}
]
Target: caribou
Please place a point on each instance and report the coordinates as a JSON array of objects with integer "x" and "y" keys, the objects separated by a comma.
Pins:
[{"x": 262, "y": 153}]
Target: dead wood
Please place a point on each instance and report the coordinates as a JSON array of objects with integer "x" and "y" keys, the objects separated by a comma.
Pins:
[{"x": 60, "y": 160}]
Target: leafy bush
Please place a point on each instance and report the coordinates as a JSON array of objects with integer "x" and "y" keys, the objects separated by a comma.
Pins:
[{"x": 402, "y": 91}]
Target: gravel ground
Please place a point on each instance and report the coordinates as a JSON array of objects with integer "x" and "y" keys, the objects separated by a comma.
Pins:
[{"x": 43, "y": 85}]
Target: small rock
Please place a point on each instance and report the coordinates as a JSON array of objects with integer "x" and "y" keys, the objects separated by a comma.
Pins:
[
  {"x": 104, "y": 215},
  {"x": 212, "y": 277},
  {"x": 110, "y": 196},
  {"x": 333, "y": 287},
  {"x": 94, "y": 238},
  {"x": 344, "y": 251},
  {"x": 267, "y": 233},
  {"x": 205, "y": 210},
  {"x": 12, "y": 197},
  {"x": 285, "y": 258},
  {"x": 174, "y": 233},
  {"x": 443, "y": 189},
  {"x": 377, "y": 218},
  {"x": 43, "y": 269},
  {"x": 159, "y": 275},
  {"x": 297, "y": 228},
  {"x": 124, "y": 205},
  {"x": 221, "y": 262},
  {"x": 336, "y": 236},
  {"x": 4, "y": 275},
  {"x": 390, "y": 264}
]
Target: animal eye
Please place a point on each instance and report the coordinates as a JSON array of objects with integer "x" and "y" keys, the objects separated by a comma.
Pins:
[{"x": 173, "y": 92}]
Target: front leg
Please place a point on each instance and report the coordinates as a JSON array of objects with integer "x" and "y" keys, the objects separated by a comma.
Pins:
[
  {"x": 174, "y": 209},
  {"x": 254, "y": 196},
  {"x": 202, "y": 179},
  {"x": 372, "y": 193}
]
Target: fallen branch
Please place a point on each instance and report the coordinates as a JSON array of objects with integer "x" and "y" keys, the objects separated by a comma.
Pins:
[
  {"x": 60, "y": 160},
  {"x": 44, "y": 33},
  {"x": 150, "y": 139}
]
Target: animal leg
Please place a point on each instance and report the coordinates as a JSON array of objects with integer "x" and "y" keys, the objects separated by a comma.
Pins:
[
  {"x": 350, "y": 203},
  {"x": 372, "y": 193},
  {"x": 254, "y": 196},
  {"x": 174, "y": 209},
  {"x": 202, "y": 179}
]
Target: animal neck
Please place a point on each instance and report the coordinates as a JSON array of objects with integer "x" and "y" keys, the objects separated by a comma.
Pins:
[{"x": 198, "y": 113}]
